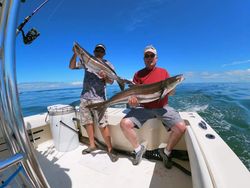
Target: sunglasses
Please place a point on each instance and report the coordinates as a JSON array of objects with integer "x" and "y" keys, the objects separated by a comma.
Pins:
[
  {"x": 99, "y": 50},
  {"x": 151, "y": 55}
]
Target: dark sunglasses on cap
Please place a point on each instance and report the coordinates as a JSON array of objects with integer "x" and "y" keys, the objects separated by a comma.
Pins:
[
  {"x": 149, "y": 55},
  {"x": 99, "y": 50}
]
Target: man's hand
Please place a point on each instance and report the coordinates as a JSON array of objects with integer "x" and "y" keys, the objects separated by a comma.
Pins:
[
  {"x": 133, "y": 101},
  {"x": 102, "y": 74}
]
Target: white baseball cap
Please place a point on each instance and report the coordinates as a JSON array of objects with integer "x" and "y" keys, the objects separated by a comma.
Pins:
[{"x": 150, "y": 48}]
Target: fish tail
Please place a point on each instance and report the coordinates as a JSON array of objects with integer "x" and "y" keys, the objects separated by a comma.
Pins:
[
  {"x": 121, "y": 82},
  {"x": 98, "y": 109}
]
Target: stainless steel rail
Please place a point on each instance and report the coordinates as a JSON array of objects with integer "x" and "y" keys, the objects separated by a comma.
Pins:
[{"x": 11, "y": 121}]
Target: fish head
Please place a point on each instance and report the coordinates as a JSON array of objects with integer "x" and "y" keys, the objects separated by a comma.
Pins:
[
  {"x": 178, "y": 78},
  {"x": 170, "y": 83}
]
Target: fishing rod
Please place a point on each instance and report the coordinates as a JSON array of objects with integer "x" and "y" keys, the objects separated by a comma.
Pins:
[{"x": 33, "y": 33}]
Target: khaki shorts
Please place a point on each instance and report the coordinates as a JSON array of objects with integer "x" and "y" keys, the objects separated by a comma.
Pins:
[{"x": 87, "y": 116}]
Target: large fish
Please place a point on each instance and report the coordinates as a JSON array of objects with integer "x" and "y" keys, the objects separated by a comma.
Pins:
[
  {"x": 94, "y": 65},
  {"x": 145, "y": 93}
]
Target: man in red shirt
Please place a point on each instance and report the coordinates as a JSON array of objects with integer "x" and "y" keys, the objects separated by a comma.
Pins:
[{"x": 156, "y": 109}]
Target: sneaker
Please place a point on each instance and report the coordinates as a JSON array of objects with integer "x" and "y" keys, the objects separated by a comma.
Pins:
[
  {"x": 167, "y": 160},
  {"x": 88, "y": 150},
  {"x": 138, "y": 155},
  {"x": 113, "y": 156}
]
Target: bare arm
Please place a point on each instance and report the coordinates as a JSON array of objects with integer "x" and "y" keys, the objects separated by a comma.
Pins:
[{"x": 72, "y": 63}]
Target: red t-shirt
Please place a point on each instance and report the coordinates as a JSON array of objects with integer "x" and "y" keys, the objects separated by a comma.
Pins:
[{"x": 146, "y": 76}]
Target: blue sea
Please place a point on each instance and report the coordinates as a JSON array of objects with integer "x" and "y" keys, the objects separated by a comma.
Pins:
[{"x": 225, "y": 106}]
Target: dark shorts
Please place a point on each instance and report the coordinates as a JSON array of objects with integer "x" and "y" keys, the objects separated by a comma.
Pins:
[{"x": 168, "y": 115}]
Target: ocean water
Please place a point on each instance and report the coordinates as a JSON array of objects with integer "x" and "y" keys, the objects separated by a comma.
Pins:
[{"x": 224, "y": 106}]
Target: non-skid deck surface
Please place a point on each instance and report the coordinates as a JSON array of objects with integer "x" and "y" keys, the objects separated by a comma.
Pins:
[{"x": 72, "y": 169}]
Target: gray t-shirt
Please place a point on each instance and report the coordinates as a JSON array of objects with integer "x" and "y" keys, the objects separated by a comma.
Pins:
[{"x": 94, "y": 88}]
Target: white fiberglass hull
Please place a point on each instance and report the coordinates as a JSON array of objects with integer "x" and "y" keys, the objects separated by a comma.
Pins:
[{"x": 211, "y": 162}]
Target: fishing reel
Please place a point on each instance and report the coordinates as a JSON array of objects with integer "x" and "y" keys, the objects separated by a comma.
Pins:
[
  {"x": 33, "y": 33},
  {"x": 30, "y": 36}
]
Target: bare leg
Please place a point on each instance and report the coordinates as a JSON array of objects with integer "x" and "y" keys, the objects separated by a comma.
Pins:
[
  {"x": 90, "y": 132},
  {"x": 106, "y": 136},
  {"x": 127, "y": 127},
  {"x": 176, "y": 133}
]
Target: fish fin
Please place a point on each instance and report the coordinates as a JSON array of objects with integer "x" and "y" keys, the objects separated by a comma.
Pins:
[{"x": 164, "y": 93}]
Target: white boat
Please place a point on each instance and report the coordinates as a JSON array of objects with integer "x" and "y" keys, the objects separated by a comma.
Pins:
[
  {"x": 211, "y": 162},
  {"x": 40, "y": 163}
]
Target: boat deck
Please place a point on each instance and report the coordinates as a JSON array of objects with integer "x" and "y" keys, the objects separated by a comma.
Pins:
[{"x": 72, "y": 169}]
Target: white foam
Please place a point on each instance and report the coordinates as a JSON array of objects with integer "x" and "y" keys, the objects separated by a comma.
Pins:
[{"x": 197, "y": 108}]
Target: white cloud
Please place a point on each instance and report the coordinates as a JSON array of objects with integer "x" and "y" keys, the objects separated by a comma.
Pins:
[
  {"x": 226, "y": 76},
  {"x": 236, "y": 63},
  {"x": 36, "y": 86},
  {"x": 239, "y": 72},
  {"x": 76, "y": 83}
]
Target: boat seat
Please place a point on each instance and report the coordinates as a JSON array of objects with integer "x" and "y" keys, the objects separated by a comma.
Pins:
[{"x": 153, "y": 133}]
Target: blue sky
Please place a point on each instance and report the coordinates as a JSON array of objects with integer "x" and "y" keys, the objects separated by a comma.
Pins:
[{"x": 206, "y": 40}]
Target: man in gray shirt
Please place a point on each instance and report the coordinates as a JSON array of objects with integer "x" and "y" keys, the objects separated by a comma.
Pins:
[{"x": 94, "y": 90}]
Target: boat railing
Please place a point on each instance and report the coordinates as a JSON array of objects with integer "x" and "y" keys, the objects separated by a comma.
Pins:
[
  {"x": 10, "y": 161},
  {"x": 11, "y": 121}
]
